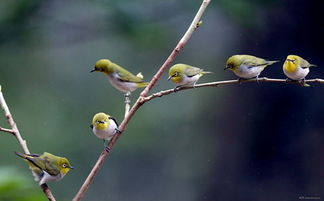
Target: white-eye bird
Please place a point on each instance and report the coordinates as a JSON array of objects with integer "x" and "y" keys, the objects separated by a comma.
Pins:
[
  {"x": 296, "y": 68},
  {"x": 119, "y": 77},
  {"x": 104, "y": 126},
  {"x": 185, "y": 75},
  {"x": 247, "y": 66},
  {"x": 46, "y": 167}
]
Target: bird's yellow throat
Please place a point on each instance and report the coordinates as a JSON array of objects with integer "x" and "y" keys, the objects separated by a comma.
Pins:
[
  {"x": 290, "y": 66},
  {"x": 176, "y": 79}
]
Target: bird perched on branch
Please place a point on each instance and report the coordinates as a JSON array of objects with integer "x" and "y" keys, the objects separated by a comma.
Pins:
[
  {"x": 46, "y": 167},
  {"x": 297, "y": 68},
  {"x": 104, "y": 127},
  {"x": 119, "y": 77},
  {"x": 185, "y": 75},
  {"x": 247, "y": 66}
]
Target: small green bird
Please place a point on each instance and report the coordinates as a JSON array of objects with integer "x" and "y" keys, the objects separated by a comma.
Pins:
[
  {"x": 46, "y": 167},
  {"x": 119, "y": 77},
  {"x": 185, "y": 75},
  {"x": 104, "y": 126},
  {"x": 247, "y": 66},
  {"x": 297, "y": 68}
]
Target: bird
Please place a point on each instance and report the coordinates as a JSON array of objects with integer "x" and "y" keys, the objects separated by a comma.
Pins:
[
  {"x": 247, "y": 66},
  {"x": 185, "y": 75},
  {"x": 297, "y": 68},
  {"x": 46, "y": 167},
  {"x": 104, "y": 127},
  {"x": 119, "y": 77}
]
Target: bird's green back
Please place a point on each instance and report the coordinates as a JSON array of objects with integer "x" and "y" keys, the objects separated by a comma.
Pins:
[{"x": 125, "y": 75}]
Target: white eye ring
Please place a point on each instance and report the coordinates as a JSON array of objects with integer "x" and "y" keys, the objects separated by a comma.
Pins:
[{"x": 64, "y": 165}]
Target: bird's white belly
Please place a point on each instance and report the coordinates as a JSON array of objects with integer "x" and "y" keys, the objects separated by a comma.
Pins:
[
  {"x": 107, "y": 133},
  {"x": 245, "y": 72},
  {"x": 49, "y": 178},
  {"x": 298, "y": 74},
  {"x": 189, "y": 81},
  {"x": 122, "y": 86}
]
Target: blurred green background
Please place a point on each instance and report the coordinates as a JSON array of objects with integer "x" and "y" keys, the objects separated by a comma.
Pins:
[{"x": 240, "y": 142}]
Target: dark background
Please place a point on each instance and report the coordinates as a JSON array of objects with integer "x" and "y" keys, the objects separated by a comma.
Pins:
[{"x": 260, "y": 142}]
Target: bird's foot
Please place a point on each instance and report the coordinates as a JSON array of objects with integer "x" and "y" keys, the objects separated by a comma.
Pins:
[
  {"x": 176, "y": 89},
  {"x": 107, "y": 149},
  {"x": 127, "y": 97},
  {"x": 240, "y": 80},
  {"x": 303, "y": 83},
  {"x": 117, "y": 131}
]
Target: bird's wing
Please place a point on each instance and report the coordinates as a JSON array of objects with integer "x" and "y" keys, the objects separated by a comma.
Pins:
[
  {"x": 254, "y": 64},
  {"x": 36, "y": 161},
  {"x": 126, "y": 76},
  {"x": 192, "y": 71},
  {"x": 305, "y": 64},
  {"x": 50, "y": 164},
  {"x": 113, "y": 118}
]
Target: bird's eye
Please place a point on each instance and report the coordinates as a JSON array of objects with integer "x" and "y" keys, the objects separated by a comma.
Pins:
[
  {"x": 98, "y": 121},
  {"x": 175, "y": 74},
  {"x": 64, "y": 165},
  {"x": 292, "y": 60}
]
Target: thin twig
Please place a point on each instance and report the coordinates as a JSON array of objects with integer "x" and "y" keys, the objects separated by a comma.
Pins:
[
  {"x": 14, "y": 131},
  {"x": 226, "y": 82},
  {"x": 195, "y": 23},
  {"x": 7, "y": 130},
  {"x": 127, "y": 103}
]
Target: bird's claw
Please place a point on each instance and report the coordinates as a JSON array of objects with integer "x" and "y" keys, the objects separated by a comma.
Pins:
[
  {"x": 177, "y": 88},
  {"x": 303, "y": 83},
  {"x": 107, "y": 149},
  {"x": 117, "y": 131}
]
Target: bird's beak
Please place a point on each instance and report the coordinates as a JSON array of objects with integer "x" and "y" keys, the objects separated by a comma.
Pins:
[
  {"x": 93, "y": 70},
  {"x": 71, "y": 167},
  {"x": 226, "y": 68},
  {"x": 171, "y": 76}
]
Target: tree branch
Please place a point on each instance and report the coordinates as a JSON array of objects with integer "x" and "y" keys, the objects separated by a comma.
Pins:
[
  {"x": 139, "y": 102},
  {"x": 14, "y": 131},
  {"x": 47, "y": 192},
  {"x": 7, "y": 130},
  {"x": 226, "y": 82}
]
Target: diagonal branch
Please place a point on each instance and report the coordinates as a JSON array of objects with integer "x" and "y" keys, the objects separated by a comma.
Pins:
[
  {"x": 14, "y": 131},
  {"x": 226, "y": 82},
  {"x": 193, "y": 26}
]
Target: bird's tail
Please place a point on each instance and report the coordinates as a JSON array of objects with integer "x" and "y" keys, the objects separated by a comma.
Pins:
[
  {"x": 271, "y": 62},
  {"x": 207, "y": 72},
  {"x": 24, "y": 156},
  {"x": 142, "y": 84}
]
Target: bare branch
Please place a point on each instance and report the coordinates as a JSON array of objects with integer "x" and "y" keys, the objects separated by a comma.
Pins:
[
  {"x": 194, "y": 25},
  {"x": 47, "y": 192},
  {"x": 7, "y": 130},
  {"x": 226, "y": 82},
  {"x": 12, "y": 123},
  {"x": 14, "y": 131}
]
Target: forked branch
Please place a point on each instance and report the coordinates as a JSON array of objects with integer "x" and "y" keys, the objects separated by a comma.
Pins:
[
  {"x": 14, "y": 131},
  {"x": 195, "y": 23}
]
